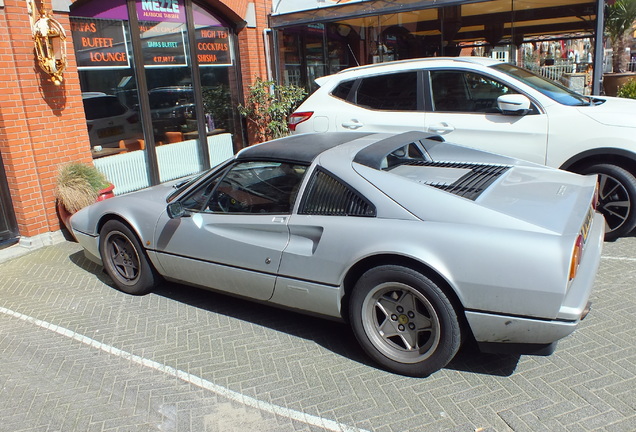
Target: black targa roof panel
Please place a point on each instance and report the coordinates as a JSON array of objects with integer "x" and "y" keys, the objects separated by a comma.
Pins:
[{"x": 298, "y": 148}]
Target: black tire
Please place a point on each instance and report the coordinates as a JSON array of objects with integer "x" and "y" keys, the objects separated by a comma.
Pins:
[
  {"x": 124, "y": 259},
  {"x": 404, "y": 321},
  {"x": 617, "y": 199}
]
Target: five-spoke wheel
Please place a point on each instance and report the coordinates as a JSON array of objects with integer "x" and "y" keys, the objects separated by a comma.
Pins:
[
  {"x": 124, "y": 259},
  {"x": 404, "y": 320}
]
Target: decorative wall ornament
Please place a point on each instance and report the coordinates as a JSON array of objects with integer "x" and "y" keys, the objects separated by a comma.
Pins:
[{"x": 50, "y": 41}]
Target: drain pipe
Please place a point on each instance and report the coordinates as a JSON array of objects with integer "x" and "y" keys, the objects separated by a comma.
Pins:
[{"x": 268, "y": 55}]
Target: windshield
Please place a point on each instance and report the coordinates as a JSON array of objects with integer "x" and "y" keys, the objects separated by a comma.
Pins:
[{"x": 551, "y": 89}]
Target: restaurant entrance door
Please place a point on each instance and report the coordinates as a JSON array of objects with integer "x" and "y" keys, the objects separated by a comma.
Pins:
[{"x": 8, "y": 225}]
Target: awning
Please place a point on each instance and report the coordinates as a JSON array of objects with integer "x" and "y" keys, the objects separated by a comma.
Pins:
[
  {"x": 479, "y": 19},
  {"x": 297, "y": 12}
]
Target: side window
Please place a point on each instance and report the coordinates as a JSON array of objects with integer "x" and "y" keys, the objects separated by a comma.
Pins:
[
  {"x": 250, "y": 187},
  {"x": 484, "y": 92},
  {"x": 457, "y": 91},
  {"x": 343, "y": 89},
  {"x": 198, "y": 199},
  {"x": 328, "y": 196},
  {"x": 392, "y": 92}
]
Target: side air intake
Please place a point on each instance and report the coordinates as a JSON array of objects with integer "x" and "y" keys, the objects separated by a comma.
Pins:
[{"x": 329, "y": 196}]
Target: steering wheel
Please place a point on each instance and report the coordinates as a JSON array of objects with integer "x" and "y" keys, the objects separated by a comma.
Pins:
[{"x": 227, "y": 204}]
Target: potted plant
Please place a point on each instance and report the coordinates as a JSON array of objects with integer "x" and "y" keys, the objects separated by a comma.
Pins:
[
  {"x": 77, "y": 186},
  {"x": 619, "y": 23}
]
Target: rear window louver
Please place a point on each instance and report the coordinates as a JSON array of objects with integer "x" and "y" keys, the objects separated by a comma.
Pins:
[
  {"x": 471, "y": 184},
  {"x": 329, "y": 196}
]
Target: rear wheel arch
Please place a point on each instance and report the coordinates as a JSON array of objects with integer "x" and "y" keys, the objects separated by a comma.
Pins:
[{"x": 358, "y": 269}]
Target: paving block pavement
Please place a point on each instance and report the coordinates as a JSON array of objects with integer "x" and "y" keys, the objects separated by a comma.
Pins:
[{"x": 78, "y": 355}]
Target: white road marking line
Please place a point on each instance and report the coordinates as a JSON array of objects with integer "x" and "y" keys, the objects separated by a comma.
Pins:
[
  {"x": 618, "y": 258},
  {"x": 189, "y": 378}
]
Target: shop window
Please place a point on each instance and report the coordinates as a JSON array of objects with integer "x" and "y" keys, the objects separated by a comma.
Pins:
[{"x": 190, "y": 116}]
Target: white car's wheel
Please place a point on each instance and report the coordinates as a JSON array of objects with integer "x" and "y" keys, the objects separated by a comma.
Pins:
[
  {"x": 404, "y": 321},
  {"x": 617, "y": 198}
]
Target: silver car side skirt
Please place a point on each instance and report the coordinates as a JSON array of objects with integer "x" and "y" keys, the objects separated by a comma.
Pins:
[
  {"x": 308, "y": 297},
  {"x": 315, "y": 298}
]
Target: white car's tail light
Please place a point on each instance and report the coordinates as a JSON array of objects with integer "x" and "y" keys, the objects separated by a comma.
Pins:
[{"x": 297, "y": 118}]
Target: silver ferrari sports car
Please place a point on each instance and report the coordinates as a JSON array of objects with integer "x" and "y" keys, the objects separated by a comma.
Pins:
[{"x": 417, "y": 243}]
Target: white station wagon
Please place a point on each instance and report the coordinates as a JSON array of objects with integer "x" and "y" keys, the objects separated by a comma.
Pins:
[{"x": 492, "y": 106}]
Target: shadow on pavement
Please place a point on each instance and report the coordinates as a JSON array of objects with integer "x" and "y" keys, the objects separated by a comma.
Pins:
[{"x": 332, "y": 335}]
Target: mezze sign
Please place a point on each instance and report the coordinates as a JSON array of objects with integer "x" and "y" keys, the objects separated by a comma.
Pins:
[{"x": 161, "y": 10}]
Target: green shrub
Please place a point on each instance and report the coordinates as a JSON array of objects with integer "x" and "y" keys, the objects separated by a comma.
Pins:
[
  {"x": 627, "y": 90},
  {"x": 267, "y": 107}
]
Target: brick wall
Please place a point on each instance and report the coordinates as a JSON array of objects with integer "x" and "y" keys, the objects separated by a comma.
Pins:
[{"x": 41, "y": 125}]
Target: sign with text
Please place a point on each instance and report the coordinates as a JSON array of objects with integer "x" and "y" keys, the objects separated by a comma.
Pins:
[
  {"x": 163, "y": 43},
  {"x": 161, "y": 10},
  {"x": 213, "y": 46},
  {"x": 99, "y": 43}
]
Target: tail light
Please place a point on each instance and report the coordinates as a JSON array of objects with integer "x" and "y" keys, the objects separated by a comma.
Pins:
[
  {"x": 298, "y": 117},
  {"x": 576, "y": 256}
]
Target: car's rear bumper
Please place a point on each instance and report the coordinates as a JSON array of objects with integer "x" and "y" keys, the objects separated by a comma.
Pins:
[{"x": 489, "y": 328}]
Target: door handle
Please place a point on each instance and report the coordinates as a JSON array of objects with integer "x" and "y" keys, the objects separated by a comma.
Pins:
[
  {"x": 352, "y": 124},
  {"x": 279, "y": 219},
  {"x": 441, "y": 128}
]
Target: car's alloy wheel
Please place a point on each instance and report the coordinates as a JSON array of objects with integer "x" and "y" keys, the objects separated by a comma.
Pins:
[
  {"x": 124, "y": 260},
  {"x": 404, "y": 321},
  {"x": 617, "y": 196}
]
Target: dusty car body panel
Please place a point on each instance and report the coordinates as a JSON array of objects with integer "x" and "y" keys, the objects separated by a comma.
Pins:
[{"x": 505, "y": 263}]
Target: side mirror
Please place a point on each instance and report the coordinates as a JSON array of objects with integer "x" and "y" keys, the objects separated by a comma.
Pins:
[
  {"x": 513, "y": 104},
  {"x": 175, "y": 210}
]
